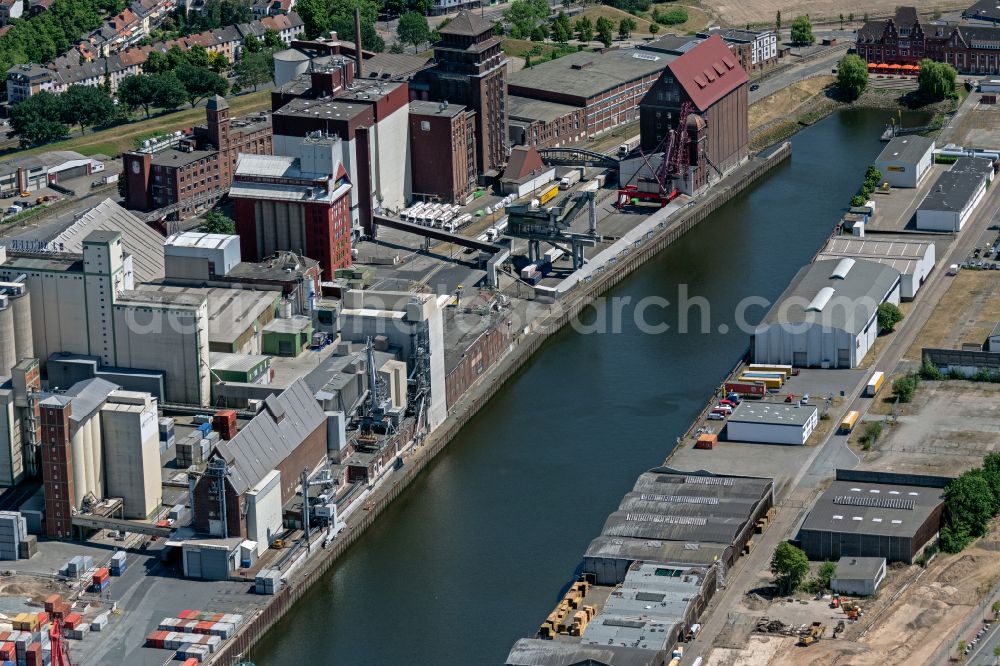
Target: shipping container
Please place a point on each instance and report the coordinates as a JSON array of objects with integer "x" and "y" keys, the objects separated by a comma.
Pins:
[
  {"x": 706, "y": 441},
  {"x": 850, "y": 420},
  {"x": 769, "y": 383},
  {"x": 548, "y": 193},
  {"x": 786, "y": 370},
  {"x": 756, "y": 389},
  {"x": 875, "y": 384}
]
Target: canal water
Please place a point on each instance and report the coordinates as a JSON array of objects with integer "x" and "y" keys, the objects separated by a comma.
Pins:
[{"x": 477, "y": 551}]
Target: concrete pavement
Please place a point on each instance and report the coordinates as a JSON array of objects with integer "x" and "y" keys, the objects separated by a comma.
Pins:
[{"x": 832, "y": 453}]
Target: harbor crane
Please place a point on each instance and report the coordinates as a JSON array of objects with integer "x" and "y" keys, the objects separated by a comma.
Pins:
[
  {"x": 659, "y": 182},
  {"x": 551, "y": 225}
]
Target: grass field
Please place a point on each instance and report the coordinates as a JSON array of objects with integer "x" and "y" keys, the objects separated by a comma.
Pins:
[
  {"x": 114, "y": 140},
  {"x": 784, "y": 102},
  {"x": 521, "y": 47}
]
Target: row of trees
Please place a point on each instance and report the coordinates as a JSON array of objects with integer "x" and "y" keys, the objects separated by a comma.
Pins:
[
  {"x": 970, "y": 502},
  {"x": 322, "y": 16},
  {"x": 44, "y": 37},
  {"x": 873, "y": 177},
  {"x": 45, "y": 117},
  {"x": 790, "y": 568}
]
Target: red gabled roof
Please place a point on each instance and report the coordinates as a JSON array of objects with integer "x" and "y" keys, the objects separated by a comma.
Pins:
[{"x": 708, "y": 72}]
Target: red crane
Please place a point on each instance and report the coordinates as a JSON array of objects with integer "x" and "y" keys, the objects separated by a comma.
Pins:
[
  {"x": 60, "y": 654},
  {"x": 671, "y": 169}
]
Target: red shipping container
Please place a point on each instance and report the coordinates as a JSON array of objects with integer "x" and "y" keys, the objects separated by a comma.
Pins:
[
  {"x": 61, "y": 610},
  {"x": 51, "y": 601},
  {"x": 155, "y": 639},
  {"x": 43, "y": 618},
  {"x": 185, "y": 614},
  {"x": 190, "y": 662},
  {"x": 34, "y": 655},
  {"x": 8, "y": 652},
  {"x": 224, "y": 422},
  {"x": 100, "y": 576},
  {"x": 203, "y": 627},
  {"x": 72, "y": 620}
]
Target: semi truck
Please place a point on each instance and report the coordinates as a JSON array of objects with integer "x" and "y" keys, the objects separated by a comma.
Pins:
[
  {"x": 875, "y": 384},
  {"x": 570, "y": 179}
]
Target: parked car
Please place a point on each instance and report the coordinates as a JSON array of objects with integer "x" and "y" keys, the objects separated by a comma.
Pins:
[
  {"x": 727, "y": 403},
  {"x": 725, "y": 409},
  {"x": 754, "y": 87},
  {"x": 716, "y": 416},
  {"x": 804, "y": 400}
]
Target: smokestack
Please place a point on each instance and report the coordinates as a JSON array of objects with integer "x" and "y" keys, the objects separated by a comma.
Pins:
[{"x": 357, "y": 42}]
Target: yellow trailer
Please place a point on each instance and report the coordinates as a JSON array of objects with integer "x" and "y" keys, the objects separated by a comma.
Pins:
[
  {"x": 850, "y": 420},
  {"x": 769, "y": 382},
  {"x": 548, "y": 193},
  {"x": 764, "y": 367}
]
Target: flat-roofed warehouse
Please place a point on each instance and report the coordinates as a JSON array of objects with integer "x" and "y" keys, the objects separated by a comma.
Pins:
[
  {"x": 906, "y": 160},
  {"x": 828, "y": 315},
  {"x": 874, "y": 514},
  {"x": 914, "y": 259},
  {"x": 772, "y": 422},
  {"x": 954, "y": 195},
  {"x": 601, "y": 89},
  {"x": 682, "y": 518}
]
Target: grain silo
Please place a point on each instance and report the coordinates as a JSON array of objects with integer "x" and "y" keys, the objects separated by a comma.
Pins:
[{"x": 8, "y": 351}]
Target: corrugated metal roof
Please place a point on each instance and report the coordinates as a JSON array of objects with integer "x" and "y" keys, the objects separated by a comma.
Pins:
[
  {"x": 144, "y": 243},
  {"x": 271, "y": 436}
]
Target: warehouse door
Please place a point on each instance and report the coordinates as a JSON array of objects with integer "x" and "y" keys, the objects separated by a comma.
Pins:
[
  {"x": 192, "y": 558},
  {"x": 284, "y": 348},
  {"x": 74, "y": 172},
  {"x": 843, "y": 358},
  {"x": 799, "y": 359}
]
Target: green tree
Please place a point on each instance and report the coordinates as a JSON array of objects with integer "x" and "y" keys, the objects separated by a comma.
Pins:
[
  {"x": 252, "y": 45},
  {"x": 524, "y": 16},
  {"x": 36, "y": 120},
  {"x": 826, "y": 572},
  {"x": 86, "y": 106},
  {"x": 168, "y": 92},
  {"x": 155, "y": 63},
  {"x": 904, "y": 387},
  {"x": 777, "y": 23},
  {"x": 197, "y": 55},
  {"x": 802, "y": 32},
  {"x": 272, "y": 39},
  {"x": 929, "y": 371},
  {"x": 936, "y": 80},
  {"x": 420, "y": 6},
  {"x": 561, "y": 29},
  {"x": 584, "y": 29},
  {"x": 413, "y": 29},
  {"x": 789, "y": 566},
  {"x": 217, "y": 223},
  {"x": 254, "y": 69},
  {"x": 322, "y": 16},
  {"x": 968, "y": 507},
  {"x": 136, "y": 91},
  {"x": 625, "y": 27},
  {"x": 872, "y": 431},
  {"x": 605, "y": 30},
  {"x": 218, "y": 63},
  {"x": 674, "y": 16},
  {"x": 852, "y": 76},
  {"x": 850, "y": 17},
  {"x": 654, "y": 28},
  {"x": 841, "y": 21},
  {"x": 200, "y": 83},
  {"x": 888, "y": 316}
]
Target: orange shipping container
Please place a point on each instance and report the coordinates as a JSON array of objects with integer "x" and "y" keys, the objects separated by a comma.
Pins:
[{"x": 706, "y": 441}]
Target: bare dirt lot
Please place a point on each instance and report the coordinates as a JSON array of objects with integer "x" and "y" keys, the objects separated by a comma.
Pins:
[
  {"x": 948, "y": 428},
  {"x": 742, "y": 12},
  {"x": 785, "y": 102},
  {"x": 915, "y": 610}
]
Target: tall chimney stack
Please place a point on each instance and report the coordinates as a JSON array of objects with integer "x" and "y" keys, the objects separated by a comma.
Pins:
[{"x": 357, "y": 42}]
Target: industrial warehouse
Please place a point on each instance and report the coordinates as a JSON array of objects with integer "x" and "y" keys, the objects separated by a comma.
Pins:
[
  {"x": 874, "y": 514},
  {"x": 827, "y": 315},
  {"x": 914, "y": 259}
]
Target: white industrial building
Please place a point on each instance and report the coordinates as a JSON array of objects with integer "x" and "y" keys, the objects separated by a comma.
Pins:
[
  {"x": 772, "y": 422},
  {"x": 264, "y": 511},
  {"x": 186, "y": 252},
  {"x": 858, "y": 576},
  {"x": 408, "y": 321},
  {"x": 87, "y": 304},
  {"x": 906, "y": 160},
  {"x": 914, "y": 259},
  {"x": 954, "y": 195},
  {"x": 828, "y": 315},
  {"x": 131, "y": 452}
]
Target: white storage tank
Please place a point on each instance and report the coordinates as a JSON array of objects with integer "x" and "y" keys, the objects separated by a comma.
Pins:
[
  {"x": 79, "y": 466},
  {"x": 20, "y": 301},
  {"x": 97, "y": 454}
]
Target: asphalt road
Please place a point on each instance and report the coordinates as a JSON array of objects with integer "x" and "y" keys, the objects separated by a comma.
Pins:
[
  {"x": 984, "y": 654},
  {"x": 824, "y": 460}
]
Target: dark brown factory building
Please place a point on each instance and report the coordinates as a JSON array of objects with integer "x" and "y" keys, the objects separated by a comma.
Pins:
[
  {"x": 471, "y": 69},
  {"x": 709, "y": 78},
  {"x": 442, "y": 151},
  {"x": 288, "y": 435}
]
